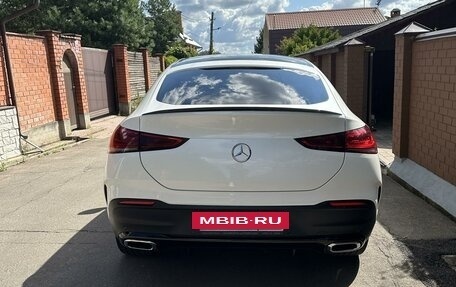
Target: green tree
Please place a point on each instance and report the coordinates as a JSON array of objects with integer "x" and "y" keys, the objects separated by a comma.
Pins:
[
  {"x": 258, "y": 48},
  {"x": 306, "y": 38},
  {"x": 101, "y": 23},
  {"x": 167, "y": 23}
]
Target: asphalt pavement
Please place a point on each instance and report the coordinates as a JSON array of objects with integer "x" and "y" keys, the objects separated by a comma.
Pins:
[{"x": 54, "y": 232}]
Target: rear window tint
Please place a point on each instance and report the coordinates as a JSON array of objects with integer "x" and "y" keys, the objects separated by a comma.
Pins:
[{"x": 242, "y": 86}]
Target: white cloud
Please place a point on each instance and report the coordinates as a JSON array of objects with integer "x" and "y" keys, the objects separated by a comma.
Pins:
[
  {"x": 385, "y": 5},
  {"x": 240, "y": 20},
  {"x": 323, "y": 6},
  {"x": 404, "y": 5}
]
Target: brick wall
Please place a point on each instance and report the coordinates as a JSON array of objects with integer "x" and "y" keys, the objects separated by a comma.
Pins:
[
  {"x": 29, "y": 62},
  {"x": 398, "y": 136},
  {"x": 346, "y": 69},
  {"x": 122, "y": 78},
  {"x": 355, "y": 80},
  {"x": 135, "y": 73},
  {"x": 3, "y": 89},
  {"x": 37, "y": 74},
  {"x": 326, "y": 65},
  {"x": 432, "y": 126},
  {"x": 60, "y": 45},
  {"x": 340, "y": 68}
]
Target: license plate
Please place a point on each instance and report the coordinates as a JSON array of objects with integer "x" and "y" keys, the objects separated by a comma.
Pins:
[{"x": 240, "y": 221}]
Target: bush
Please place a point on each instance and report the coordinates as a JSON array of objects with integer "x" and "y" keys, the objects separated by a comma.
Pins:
[
  {"x": 180, "y": 51},
  {"x": 169, "y": 60}
]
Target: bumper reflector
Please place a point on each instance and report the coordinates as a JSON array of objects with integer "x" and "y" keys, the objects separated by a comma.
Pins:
[
  {"x": 140, "y": 202},
  {"x": 347, "y": 203}
]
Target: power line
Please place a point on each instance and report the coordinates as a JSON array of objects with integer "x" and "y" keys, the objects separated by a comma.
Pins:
[{"x": 190, "y": 18}]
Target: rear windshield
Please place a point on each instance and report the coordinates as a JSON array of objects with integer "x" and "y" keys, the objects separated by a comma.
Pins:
[{"x": 242, "y": 86}]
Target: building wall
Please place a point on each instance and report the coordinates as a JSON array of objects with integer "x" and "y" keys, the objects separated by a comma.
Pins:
[
  {"x": 272, "y": 38},
  {"x": 275, "y": 37},
  {"x": 326, "y": 65},
  {"x": 432, "y": 122},
  {"x": 355, "y": 80},
  {"x": 340, "y": 68}
]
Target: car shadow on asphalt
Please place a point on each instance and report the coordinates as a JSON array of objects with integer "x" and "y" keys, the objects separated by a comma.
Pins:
[{"x": 91, "y": 258}]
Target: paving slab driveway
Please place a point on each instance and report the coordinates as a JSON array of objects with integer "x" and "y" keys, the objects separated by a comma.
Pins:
[{"x": 54, "y": 232}]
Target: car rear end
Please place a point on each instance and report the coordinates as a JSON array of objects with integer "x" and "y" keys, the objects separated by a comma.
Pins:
[{"x": 250, "y": 151}]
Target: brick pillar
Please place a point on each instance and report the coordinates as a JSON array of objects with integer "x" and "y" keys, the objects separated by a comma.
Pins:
[
  {"x": 77, "y": 65},
  {"x": 57, "y": 82},
  {"x": 161, "y": 58},
  {"x": 122, "y": 78},
  {"x": 402, "y": 81},
  {"x": 355, "y": 78},
  {"x": 145, "y": 56},
  {"x": 58, "y": 46}
]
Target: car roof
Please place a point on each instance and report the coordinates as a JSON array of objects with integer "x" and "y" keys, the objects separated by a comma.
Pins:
[{"x": 246, "y": 57}]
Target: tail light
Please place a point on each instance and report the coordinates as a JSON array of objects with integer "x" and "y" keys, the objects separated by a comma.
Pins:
[
  {"x": 358, "y": 141},
  {"x": 126, "y": 140}
]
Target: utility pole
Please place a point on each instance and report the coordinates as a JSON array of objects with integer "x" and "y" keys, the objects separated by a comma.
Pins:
[{"x": 211, "y": 41}]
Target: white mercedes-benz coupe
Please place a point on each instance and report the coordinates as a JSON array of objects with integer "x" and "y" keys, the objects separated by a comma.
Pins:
[{"x": 253, "y": 149}]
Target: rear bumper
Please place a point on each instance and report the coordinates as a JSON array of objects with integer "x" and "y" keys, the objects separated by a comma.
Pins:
[{"x": 320, "y": 224}]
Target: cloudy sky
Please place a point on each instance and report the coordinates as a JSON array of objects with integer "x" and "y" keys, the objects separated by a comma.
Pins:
[{"x": 240, "y": 20}]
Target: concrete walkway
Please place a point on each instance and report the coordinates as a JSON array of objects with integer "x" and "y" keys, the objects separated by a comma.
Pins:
[
  {"x": 99, "y": 127},
  {"x": 414, "y": 177}
]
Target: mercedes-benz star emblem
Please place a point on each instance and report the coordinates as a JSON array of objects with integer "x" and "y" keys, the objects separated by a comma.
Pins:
[{"x": 241, "y": 152}]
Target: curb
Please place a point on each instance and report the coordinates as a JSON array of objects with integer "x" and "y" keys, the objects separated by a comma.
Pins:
[{"x": 415, "y": 191}]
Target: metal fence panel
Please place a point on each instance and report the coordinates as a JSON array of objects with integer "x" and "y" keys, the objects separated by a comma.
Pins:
[{"x": 98, "y": 73}]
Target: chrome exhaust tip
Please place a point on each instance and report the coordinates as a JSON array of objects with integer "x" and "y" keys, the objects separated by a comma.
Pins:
[
  {"x": 344, "y": 247},
  {"x": 143, "y": 245}
]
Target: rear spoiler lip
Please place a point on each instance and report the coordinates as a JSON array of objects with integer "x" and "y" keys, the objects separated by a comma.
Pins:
[{"x": 235, "y": 109}]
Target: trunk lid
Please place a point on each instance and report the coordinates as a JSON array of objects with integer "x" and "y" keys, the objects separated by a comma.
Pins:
[{"x": 215, "y": 156}]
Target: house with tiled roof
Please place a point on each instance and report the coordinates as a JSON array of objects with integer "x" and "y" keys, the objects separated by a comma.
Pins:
[{"x": 280, "y": 25}]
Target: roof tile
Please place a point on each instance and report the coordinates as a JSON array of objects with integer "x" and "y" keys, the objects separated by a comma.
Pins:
[{"x": 324, "y": 18}]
